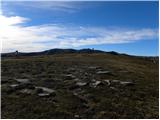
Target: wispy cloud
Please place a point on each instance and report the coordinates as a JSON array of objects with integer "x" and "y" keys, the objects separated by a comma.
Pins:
[
  {"x": 61, "y": 6},
  {"x": 15, "y": 36}
]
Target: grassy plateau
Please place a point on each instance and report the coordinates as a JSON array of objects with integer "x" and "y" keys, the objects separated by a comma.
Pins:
[{"x": 98, "y": 85}]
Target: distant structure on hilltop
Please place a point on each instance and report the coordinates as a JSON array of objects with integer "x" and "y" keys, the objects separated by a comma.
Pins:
[{"x": 16, "y": 53}]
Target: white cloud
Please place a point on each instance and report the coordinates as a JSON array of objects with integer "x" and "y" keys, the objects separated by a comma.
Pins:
[
  {"x": 60, "y": 6},
  {"x": 15, "y": 36}
]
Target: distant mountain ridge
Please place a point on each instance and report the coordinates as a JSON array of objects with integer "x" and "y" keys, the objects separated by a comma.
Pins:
[
  {"x": 54, "y": 51},
  {"x": 70, "y": 51}
]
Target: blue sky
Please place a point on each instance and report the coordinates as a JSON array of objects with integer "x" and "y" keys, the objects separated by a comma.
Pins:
[{"x": 125, "y": 27}]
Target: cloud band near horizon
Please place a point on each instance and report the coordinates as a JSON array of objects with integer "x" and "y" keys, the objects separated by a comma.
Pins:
[{"x": 16, "y": 36}]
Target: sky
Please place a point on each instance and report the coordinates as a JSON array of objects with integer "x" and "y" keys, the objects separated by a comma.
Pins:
[{"x": 125, "y": 27}]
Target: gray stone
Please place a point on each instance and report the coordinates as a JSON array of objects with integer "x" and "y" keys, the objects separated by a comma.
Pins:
[
  {"x": 103, "y": 72},
  {"x": 95, "y": 84},
  {"x": 14, "y": 85},
  {"x": 94, "y": 67},
  {"x": 27, "y": 91},
  {"x": 76, "y": 79},
  {"x": 69, "y": 77},
  {"x": 107, "y": 81},
  {"x": 113, "y": 88},
  {"x": 81, "y": 83},
  {"x": 76, "y": 116},
  {"x": 126, "y": 83},
  {"x": 115, "y": 81},
  {"x": 48, "y": 90},
  {"x": 43, "y": 94},
  {"x": 22, "y": 80},
  {"x": 71, "y": 70}
]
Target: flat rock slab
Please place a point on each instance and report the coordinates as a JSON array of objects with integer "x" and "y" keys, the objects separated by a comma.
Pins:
[
  {"x": 69, "y": 77},
  {"x": 95, "y": 84},
  {"x": 115, "y": 81},
  {"x": 47, "y": 90},
  {"x": 113, "y": 88},
  {"x": 71, "y": 70},
  {"x": 27, "y": 91},
  {"x": 44, "y": 94},
  {"x": 23, "y": 80},
  {"x": 126, "y": 83},
  {"x": 14, "y": 85},
  {"x": 81, "y": 84},
  {"x": 103, "y": 72},
  {"x": 94, "y": 67},
  {"x": 76, "y": 116}
]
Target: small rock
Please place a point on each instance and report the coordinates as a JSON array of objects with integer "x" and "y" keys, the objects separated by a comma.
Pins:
[
  {"x": 108, "y": 82},
  {"x": 96, "y": 84},
  {"x": 22, "y": 80},
  {"x": 81, "y": 83},
  {"x": 27, "y": 91},
  {"x": 93, "y": 80},
  {"x": 94, "y": 67},
  {"x": 14, "y": 85},
  {"x": 69, "y": 77},
  {"x": 113, "y": 88},
  {"x": 76, "y": 116},
  {"x": 127, "y": 83},
  {"x": 115, "y": 81},
  {"x": 71, "y": 70},
  {"x": 76, "y": 79},
  {"x": 103, "y": 72},
  {"x": 48, "y": 90},
  {"x": 43, "y": 94}
]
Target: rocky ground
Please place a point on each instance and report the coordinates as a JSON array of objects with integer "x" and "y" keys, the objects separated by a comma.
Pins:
[{"x": 79, "y": 86}]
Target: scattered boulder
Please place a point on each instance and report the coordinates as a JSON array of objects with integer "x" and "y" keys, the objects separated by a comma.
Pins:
[
  {"x": 23, "y": 80},
  {"x": 76, "y": 116},
  {"x": 27, "y": 91},
  {"x": 126, "y": 83},
  {"x": 108, "y": 82},
  {"x": 15, "y": 86},
  {"x": 115, "y": 81},
  {"x": 113, "y": 88},
  {"x": 71, "y": 70},
  {"x": 97, "y": 83},
  {"x": 94, "y": 67},
  {"x": 81, "y": 84},
  {"x": 103, "y": 72},
  {"x": 48, "y": 90},
  {"x": 44, "y": 92},
  {"x": 69, "y": 77},
  {"x": 76, "y": 79}
]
